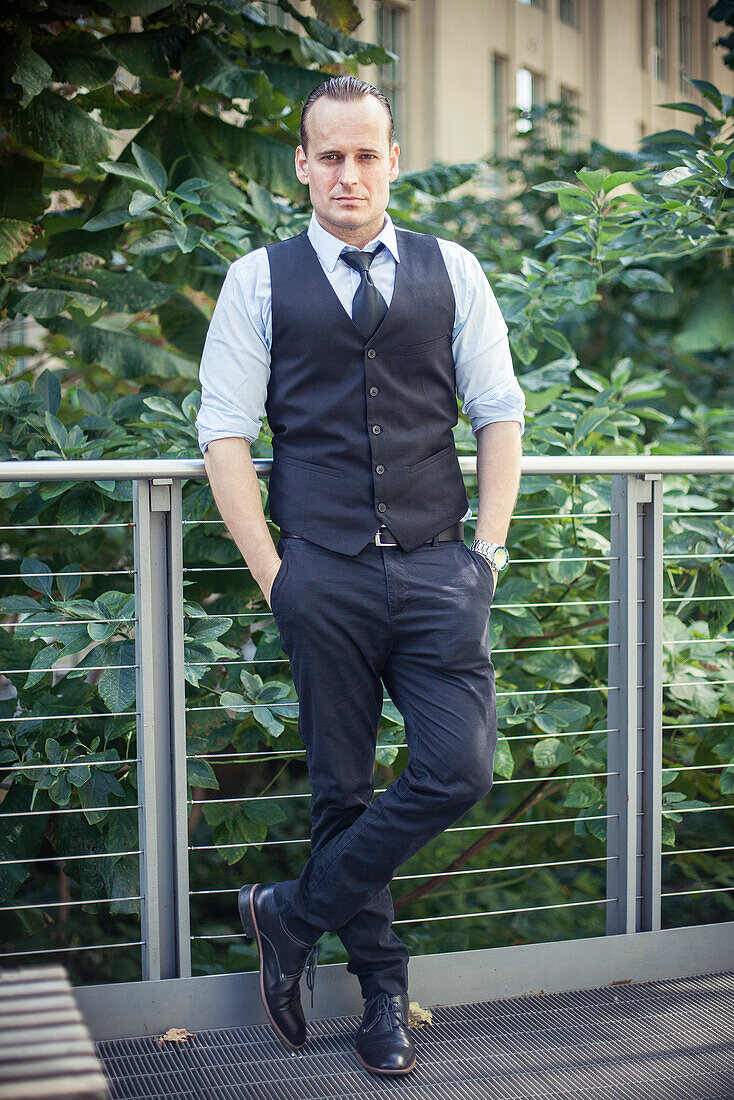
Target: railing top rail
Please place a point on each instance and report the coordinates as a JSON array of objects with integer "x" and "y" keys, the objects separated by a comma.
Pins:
[{"x": 134, "y": 469}]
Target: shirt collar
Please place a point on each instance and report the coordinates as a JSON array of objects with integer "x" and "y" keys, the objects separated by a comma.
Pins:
[{"x": 329, "y": 248}]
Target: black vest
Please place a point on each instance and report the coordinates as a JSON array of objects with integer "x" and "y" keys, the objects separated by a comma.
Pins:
[{"x": 362, "y": 433}]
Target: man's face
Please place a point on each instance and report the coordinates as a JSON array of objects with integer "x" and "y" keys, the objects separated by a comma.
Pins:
[{"x": 349, "y": 166}]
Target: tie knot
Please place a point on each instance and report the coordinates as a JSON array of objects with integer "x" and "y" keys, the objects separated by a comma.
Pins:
[{"x": 360, "y": 261}]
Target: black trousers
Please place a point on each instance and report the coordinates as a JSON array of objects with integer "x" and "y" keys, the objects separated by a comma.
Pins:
[{"x": 418, "y": 622}]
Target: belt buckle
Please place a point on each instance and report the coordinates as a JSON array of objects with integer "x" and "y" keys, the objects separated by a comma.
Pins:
[{"x": 378, "y": 540}]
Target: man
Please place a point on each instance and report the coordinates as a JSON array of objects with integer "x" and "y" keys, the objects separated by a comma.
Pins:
[{"x": 354, "y": 338}]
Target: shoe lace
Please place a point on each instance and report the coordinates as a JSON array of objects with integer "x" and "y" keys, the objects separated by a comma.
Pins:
[
  {"x": 310, "y": 965},
  {"x": 386, "y": 1005}
]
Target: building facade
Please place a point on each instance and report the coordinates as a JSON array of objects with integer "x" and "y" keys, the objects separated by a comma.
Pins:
[{"x": 464, "y": 63}]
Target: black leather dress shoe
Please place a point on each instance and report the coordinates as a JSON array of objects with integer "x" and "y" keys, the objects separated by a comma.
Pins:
[
  {"x": 383, "y": 1041},
  {"x": 282, "y": 962}
]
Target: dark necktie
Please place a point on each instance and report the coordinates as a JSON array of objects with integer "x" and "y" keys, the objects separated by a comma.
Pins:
[{"x": 368, "y": 305}]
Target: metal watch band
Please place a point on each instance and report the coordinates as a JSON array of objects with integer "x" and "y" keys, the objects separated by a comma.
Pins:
[{"x": 496, "y": 554}]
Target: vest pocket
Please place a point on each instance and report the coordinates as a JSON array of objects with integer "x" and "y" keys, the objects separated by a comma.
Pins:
[
  {"x": 431, "y": 458},
  {"x": 312, "y": 466},
  {"x": 429, "y": 345}
]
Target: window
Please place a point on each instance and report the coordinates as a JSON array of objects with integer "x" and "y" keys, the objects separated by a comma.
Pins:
[
  {"x": 568, "y": 129},
  {"x": 275, "y": 15},
  {"x": 661, "y": 40},
  {"x": 528, "y": 93},
  {"x": 567, "y": 11},
  {"x": 499, "y": 106},
  {"x": 391, "y": 78},
  {"x": 684, "y": 43}
]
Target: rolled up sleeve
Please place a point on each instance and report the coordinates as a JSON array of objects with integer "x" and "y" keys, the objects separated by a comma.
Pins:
[
  {"x": 485, "y": 377},
  {"x": 235, "y": 363}
]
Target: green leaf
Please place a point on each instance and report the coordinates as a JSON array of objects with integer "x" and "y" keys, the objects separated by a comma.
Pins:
[
  {"x": 708, "y": 91},
  {"x": 689, "y": 108},
  {"x": 56, "y": 128},
  {"x": 561, "y": 714},
  {"x": 153, "y": 52},
  {"x": 32, "y": 73},
  {"x": 42, "y": 581},
  {"x": 559, "y": 668},
  {"x": 642, "y": 279},
  {"x": 201, "y": 774},
  {"x": 161, "y": 240},
  {"x": 563, "y": 569},
  {"x": 550, "y": 752},
  {"x": 40, "y": 665},
  {"x": 152, "y": 169},
  {"x": 264, "y": 812},
  {"x": 583, "y": 793},
  {"x": 504, "y": 764},
  {"x": 559, "y": 185},
  {"x": 97, "y": 793},
  {"x": 66, "y": 580},
  {"x": 141, "y": 202},
  {"x": 202, "y": 63},
  {"x": 15, "y": 236},
  {"x": 78, "y": 57},
  {"x": 118, "y": 215},
  {"x": 726, "y": 781},
  {"x": 594, "y": 180},
  {"x": 617, "y": 179},
  {"x": 439, "y": 179},
  {"x": 117, "y": 685}
]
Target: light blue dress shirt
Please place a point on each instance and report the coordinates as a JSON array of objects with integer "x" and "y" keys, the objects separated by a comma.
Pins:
[{"x": 235, "y": 365}]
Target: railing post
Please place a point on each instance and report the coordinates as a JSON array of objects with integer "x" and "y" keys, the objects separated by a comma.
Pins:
[
  {"x": 634, "y": 753},
  {"x": 161, "y": 728}
]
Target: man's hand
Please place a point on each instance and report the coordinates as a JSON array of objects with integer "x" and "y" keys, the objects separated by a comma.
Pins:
[{"x": 236, "y": 490}]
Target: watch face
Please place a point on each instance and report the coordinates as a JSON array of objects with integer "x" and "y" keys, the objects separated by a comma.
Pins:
[{"x": 500, "y": 557}]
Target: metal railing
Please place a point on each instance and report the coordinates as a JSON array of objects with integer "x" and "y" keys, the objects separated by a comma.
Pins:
[{"x": 632, "y": 553}]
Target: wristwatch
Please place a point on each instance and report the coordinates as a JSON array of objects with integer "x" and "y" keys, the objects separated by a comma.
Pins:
[{"x": 496, "y": 554}]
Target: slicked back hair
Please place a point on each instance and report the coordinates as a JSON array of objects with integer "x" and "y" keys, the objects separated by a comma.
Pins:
[{"x": 345, "y": 89}]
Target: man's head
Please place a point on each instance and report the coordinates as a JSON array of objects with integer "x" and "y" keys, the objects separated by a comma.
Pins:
[{"x": 348, "y": 157}]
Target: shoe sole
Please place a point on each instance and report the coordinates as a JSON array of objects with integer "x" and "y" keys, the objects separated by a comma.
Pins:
[
  {"x": 390, "y": 1072},
  {"x": 249, "y": 923}
]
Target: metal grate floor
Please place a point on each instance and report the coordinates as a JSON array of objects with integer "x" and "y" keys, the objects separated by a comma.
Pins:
[{"x": 665, "y": 1040}]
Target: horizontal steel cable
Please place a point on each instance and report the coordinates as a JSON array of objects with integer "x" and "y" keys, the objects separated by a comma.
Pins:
[
  {"x": 452, "y": 829},
  {"x": 67, "y": 810},
  {"x": 73, "y": 573},
  {"x": 65, "y": 668},
  {"x": 80, "y": 763},
  {"x": 505, "y": 912},
  {"x": 381, "y": 790},
  {"x": 60, "y": 717},
  {"x": 56, "y": 950},
  {"x": 63, "y": 622},
  {"x": 63, "y": 904},
  {"x": 58, "y": 858}
]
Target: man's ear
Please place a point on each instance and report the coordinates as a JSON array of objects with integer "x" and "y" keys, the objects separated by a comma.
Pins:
[
  {"x": 301, "y": 165},
  {"x": 394, "y": 168}
]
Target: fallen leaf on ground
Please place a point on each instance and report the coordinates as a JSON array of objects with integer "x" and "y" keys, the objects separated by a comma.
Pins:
[
  {"x": 417, "y": 1016},
  {"x": 176, "y": 1035}
]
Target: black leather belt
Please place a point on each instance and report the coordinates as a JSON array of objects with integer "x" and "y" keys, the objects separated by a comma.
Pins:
[{"x": 383, "y": 537}]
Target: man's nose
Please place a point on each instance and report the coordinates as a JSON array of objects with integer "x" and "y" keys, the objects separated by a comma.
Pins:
[{"x": 349, "y": 174}]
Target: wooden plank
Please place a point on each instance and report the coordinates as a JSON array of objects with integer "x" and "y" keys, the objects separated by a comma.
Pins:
[
  {"x": 89, "y": 1086},
  {"x": 46, "y": 1051}
]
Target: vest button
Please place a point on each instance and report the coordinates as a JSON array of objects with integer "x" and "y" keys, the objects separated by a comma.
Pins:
[
  {"x": 371, "y": 353},
  {"x": 374, "y": 391},
  {"x": 380, "y": 469},
  {"x": 381, "y": 507},
  {"x": 376, "y": 429}
]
